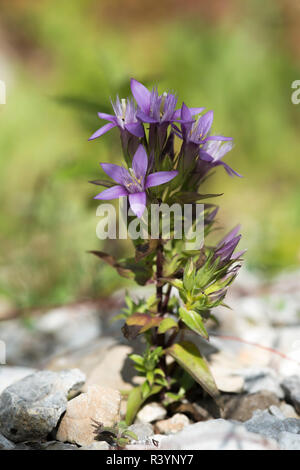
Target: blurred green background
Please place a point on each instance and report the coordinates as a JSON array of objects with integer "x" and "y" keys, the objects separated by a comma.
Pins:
[{"x": 63, "y": 60}]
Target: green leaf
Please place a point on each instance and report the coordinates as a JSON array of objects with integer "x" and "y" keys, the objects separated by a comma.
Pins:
[
  {"x": 189, "y": 197},
  {"x": 122, "y": 270},
  {"x": 144, "y": 321},
  {"x": 187, "y": 355},
  {"x": 131, "y": 434},
  {"x": 136, "y": 399},
  {"x": 106, "y": 184},
  {"x": 137, "y": 359},
  {"x": 189, "y": 276},
  {"x": 166, "y": 325},
  {"x": 194, "y": 321}
]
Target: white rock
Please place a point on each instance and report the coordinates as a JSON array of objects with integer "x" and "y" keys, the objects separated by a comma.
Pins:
[
  {"x": 289, "y": 441},
  {"x": 288, "y": 410},
  {"x": 172, "y": 425},
  {"x": 151, "y": 412}
]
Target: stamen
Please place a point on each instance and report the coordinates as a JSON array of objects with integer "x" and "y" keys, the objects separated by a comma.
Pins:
[{"x": 123, "y": 105}]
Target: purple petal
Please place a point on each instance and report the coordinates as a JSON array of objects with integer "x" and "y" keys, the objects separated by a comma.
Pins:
[
  {"x": 135, "y": 128},
  {"x": 116, "y": 172},
  {"x": 137, "y": 203},
  {"x": 238, "y": 254},
  {"x": 218, "y": 137},
  {"x": 107, "y": 117},
  {"x": 112, "y": 193},
  {"x": 102, "y": 130},
  {"x": 195, "y": 111},
  {"x": 140, "y": 163},
  {"x": 205, "y": 122},
  {"x": 230, "y": 171},
  {"x": 141, "y": 95},
  {"x": 230, "y": 235},
  {"x": 185, "y": 114},
  {"x": 205, "y": 156},
  {"x": 145, "y": 118},
  {"x": 160, "y": 177}
]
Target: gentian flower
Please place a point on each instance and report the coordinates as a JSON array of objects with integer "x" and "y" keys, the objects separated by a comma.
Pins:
[
  {"x": 225, "y": 248},
  {"x": 155, "y": 108},
  {"x": 213, "y": 152},
  {"x": 135, "y": 182},
  {"x": 197, "y": 132},
  {"x": 124, "y": 118}
]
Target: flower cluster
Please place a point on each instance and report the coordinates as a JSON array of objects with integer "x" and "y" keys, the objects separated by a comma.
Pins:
[
  {"x": 168, "y": 152},
  {"x": 199, "y": 149}
]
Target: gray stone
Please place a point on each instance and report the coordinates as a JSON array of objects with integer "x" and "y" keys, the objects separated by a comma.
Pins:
[
  {"x": 291, "y": 387},
  {"x": 97, "y": 445},
  {"x": 242, "y": 407},
  {"x": 257, "y": 379},
  {"x": 217, "y": 434},
  {"x": 50, "y": 445},
  {"x": 55, "y": 332},
  {"x": 142, "y": 431},
  {"x": 10, "y": 375},
  {"x": 289, "y": 441},
  {"x": 31, "y": 408},
  {"x": 268, "y": 425},
  {"x": 5, "y": 444}
]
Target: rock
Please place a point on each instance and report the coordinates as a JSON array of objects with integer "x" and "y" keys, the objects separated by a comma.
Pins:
[
  {"x": 101, "y": 404},
  {"x": 142, "y": 431},
  {"x": 257, "y": 379},
  {"x": 103, "y": 361},
  {"x": 5, "y": 444},
  {"x": 30, "y": 408},
  {"x": 172, "y": 425},
  {"x": 10, "y": 375},
  {"x": 289, "y": 441},
  {"x": 151, "y": 412},
  {"x": 288, "y": 410},
  {"x": 55, "y": 332},
  {"x": 216, "y": 434},
  {"x": 97, "y": 445},
  {"x": 268, "y": 425},
  {"x": 291, "y": 387},
  {"x": 242, "y": 407},
  {"x": 224, "y": 368},
  {"x": 275, "y": 411}
]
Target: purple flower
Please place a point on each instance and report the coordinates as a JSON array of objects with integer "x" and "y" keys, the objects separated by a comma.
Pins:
[
  {"x": 213, "y": 152},
  {"x": 133, "y": 183},
  {"x": 125, "y": 118},
  {"x": 197, "y": 132},
  {"x": 155, "y": 108},
  {"x": 225, "y": 248}
]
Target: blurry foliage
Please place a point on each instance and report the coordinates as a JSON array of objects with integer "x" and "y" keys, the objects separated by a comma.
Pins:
[{"x": 61, "y": 60}]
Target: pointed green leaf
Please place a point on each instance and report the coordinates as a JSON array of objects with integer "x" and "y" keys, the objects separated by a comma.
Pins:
[
  {"x": 187, "y": 355},
  {"x": 166, "y": 325},
  {"x": 194, "y": 321},
  {"x": 136, "y": 399}
]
